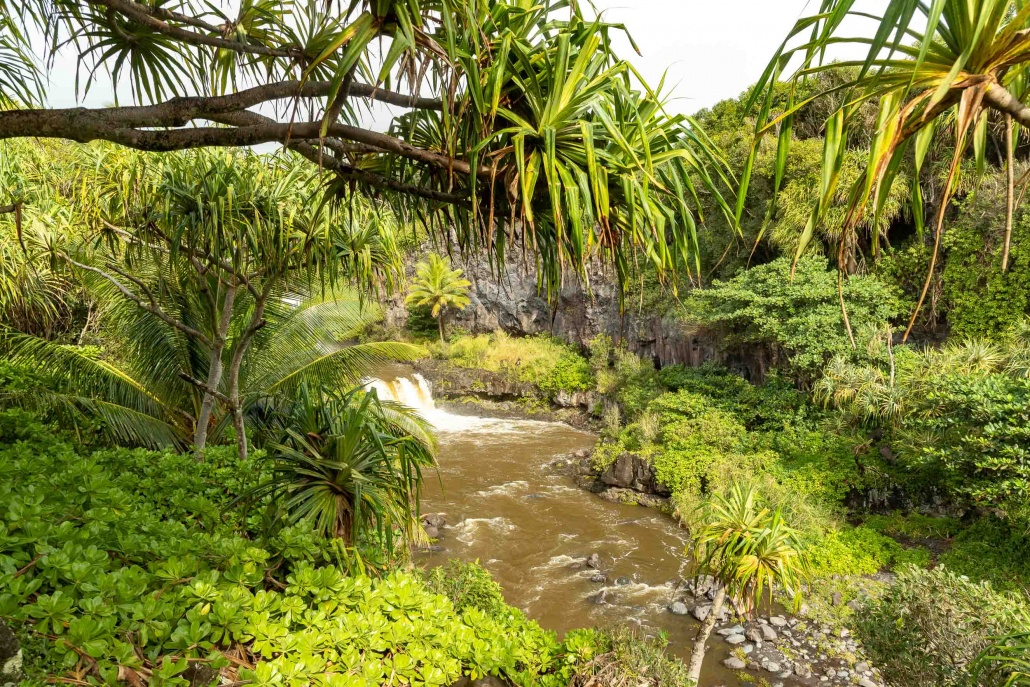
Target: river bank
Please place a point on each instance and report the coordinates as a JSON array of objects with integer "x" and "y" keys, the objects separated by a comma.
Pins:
[{"x": 571, "y": 546}]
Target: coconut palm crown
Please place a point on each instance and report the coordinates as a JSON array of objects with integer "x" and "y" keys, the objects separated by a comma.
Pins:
[{"x": 438, "y": 286}]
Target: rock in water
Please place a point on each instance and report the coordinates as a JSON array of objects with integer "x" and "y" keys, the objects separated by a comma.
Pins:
[
  {"x": 431, "y": 532},
  {"x": 10, "y": 657},
  {"x": 735, "y": 639},
  {"x": 701, "y": 611},
  {"x": 734, "y": 663},
  {"x": 593, "y": 561},
  {"x": 598, "y": 577},
  {"x": 600, "y": 597},
  {"x": 436, "y": 520},
  {"x": 678, "y": 608},
  {"x": 623, "y": 581},
  {"x": 768, "y": 634},
  {"x": 778, "y": 621}
]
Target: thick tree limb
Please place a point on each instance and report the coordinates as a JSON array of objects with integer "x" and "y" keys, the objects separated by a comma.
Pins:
[
  {"x": 117, "y": 125},
  {"x": 181, "y": 111},
  {"x": 999, "y": 98}
]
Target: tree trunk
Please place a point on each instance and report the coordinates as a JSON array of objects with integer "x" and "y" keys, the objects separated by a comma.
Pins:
[
  {"x": 697, "y": 654},
  {"x": 214, "y": 373},
  {"x": 439, "y": 325},
  {"x": 241, "y": 431},
  {"x": 256, "y": 322}
]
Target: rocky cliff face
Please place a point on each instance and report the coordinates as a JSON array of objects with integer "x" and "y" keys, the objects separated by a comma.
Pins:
[{"x": 512, "y": 302}]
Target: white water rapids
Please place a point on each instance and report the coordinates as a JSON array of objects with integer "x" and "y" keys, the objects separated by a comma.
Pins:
[
  {"x": 532, "y": 527},
  {"x": 416, "y": 393}
]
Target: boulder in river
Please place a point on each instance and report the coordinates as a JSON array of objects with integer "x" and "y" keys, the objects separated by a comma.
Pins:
[
  {"x": 436, "y": 520},
  {"x": 431, "y": 532},
  {"x": 768, "y": 634},
  {"x": 598, "y": 577},
  {"x": 701, "y": 611},
  {"x": 622, "y": 581},
  {"x": 600, "y": 597},
  {"x": 593, "y": 561},
  {"x": 734, "y": 663},
  {"x": 678, "y": 608}
]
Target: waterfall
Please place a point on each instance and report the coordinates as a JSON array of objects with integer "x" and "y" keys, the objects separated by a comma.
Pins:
[{"x": 415, "y": 393}]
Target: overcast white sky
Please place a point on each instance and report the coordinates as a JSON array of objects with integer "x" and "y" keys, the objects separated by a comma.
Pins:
[{"x": 712, "y": 49}]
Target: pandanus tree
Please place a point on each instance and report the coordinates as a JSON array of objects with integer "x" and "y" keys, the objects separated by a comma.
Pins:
[
  {"x": 519, "y": 124},
  {"x": 222, "y": 280},
  {"x": 347, "y": 464},
  {"x": 748, "y": 551},
  {"x": 438, "y": 287},
  {"x": 933, "y": 69}
]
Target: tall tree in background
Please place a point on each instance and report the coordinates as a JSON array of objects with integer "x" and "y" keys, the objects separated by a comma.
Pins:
[
  {"x": 933, "y": 67},
  {"x": 536, "y": 133},
  {"x": 439, "y": 287}
]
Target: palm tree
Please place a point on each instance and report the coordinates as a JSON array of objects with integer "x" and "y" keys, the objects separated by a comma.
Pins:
[
  {"x": 748, "y": 551},
  {"x": 438, "y": 286},
  {"x": 142, "y": 396},
  {"x": 348, "y": 464},
  {"x": 932, "y": 67}
]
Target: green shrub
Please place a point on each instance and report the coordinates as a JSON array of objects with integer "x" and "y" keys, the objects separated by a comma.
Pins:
[
  {"x": 549, "y": 363},
  {"x": 467, "y": 585},
  {"x": 623, "y": 657},
  {"x": 913, "y": 525},
  {"x": 632, "y": 381},
  {"x": 930, "y": 624},
  {"x": 992, "y": 549},
  {"x": 772, "y": 405},
  {"x": 978, "y": 298},
  {"x": 860, "y": 551},
  {"x": 571, "y": 372},
  {"x": 800, "y": 316}
]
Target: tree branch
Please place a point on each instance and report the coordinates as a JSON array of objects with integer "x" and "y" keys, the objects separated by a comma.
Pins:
[
  {"x": 143, "y": 15},
  {"x": 999, "y": 98},
  {"x": 117, "y": 126}
]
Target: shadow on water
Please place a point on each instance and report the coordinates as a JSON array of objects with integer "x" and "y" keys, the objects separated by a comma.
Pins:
[{"x": 532, "y": 528}]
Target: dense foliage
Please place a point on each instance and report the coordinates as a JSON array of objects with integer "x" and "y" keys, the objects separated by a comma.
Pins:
[
  {"x": 929, "y": 626},
  {"x": 128, "y": 562},
  {"x": 797, "y": 315}
]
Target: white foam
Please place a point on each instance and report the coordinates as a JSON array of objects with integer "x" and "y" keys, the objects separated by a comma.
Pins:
[
  {"x": 468, "y": 529},
  {"x": 504, "y": 489}
]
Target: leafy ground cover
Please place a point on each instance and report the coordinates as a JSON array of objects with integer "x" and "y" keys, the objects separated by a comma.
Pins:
[{"x": 131, "y": 565}]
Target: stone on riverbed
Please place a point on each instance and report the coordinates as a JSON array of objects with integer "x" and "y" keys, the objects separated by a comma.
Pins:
[
  {"x": 436, "y": 520},
  {"x": 678, "y": 608},
  {"x": 735, "y": 630},
  {"x": 735, "y": 639},
  {"x": 431, "y": 532},
  {"x": 734, "y": 663},
  {"x": 598, "y": 577},
  {"x": 768, "y": 634},
  {"x": 778, "y": 621},
  {"x": 593, "y": 561},
  {"x": 623, "y": 581}
]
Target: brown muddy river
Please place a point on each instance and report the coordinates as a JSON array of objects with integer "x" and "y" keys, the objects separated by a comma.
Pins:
[{"x": 532, "y": 528}]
